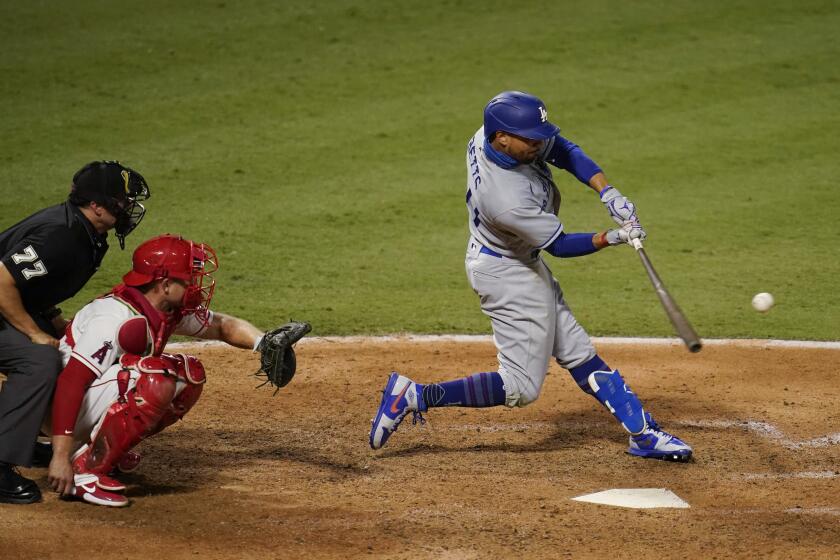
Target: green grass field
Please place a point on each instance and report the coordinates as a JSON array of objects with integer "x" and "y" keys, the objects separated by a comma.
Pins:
[{"x": 319, "y": 148}]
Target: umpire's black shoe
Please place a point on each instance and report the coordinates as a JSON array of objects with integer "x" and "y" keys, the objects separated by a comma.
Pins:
[
  {"x": 15, "y": 488},
  {"x": 42, "y": 455}
]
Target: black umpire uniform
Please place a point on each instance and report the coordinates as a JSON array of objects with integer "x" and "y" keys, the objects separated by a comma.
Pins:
[{"x": 50, "y": 256}]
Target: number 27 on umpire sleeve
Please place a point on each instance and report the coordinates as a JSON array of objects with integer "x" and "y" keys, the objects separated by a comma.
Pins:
[{"x": 30, "y": 256}]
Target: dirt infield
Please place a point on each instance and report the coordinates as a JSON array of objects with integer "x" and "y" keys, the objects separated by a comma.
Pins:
[{"x": 251, "y": 476}]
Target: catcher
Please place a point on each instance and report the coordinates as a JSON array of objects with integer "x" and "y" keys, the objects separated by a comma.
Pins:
[{"x": 118, "y": 387}]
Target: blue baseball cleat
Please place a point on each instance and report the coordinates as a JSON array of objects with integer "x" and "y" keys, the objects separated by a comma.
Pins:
[
  {"x": 654, "y": 443},
  {"x": 400, "y": 397}
]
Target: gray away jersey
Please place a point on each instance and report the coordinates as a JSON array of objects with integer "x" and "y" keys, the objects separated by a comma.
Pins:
[{"x": 511, "y": 211}]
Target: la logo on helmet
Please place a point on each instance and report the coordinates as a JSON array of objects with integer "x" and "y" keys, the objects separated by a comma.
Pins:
[{"x": 543, "y": 114}]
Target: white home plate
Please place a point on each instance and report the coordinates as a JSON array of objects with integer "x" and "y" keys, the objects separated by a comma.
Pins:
[{"x": 640, "y": 498}]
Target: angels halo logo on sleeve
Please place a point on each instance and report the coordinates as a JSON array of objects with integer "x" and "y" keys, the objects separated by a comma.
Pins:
[{"x": 100, "y": 354}]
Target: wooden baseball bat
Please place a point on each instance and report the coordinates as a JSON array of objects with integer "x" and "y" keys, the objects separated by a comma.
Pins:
[{"x": 675, "y": 314}]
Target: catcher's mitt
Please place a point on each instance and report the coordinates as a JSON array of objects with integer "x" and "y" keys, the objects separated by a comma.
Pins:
[{"x": 277, "y": 357}]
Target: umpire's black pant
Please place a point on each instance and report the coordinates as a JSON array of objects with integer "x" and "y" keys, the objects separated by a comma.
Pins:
[{"x": 31, "y": 370}]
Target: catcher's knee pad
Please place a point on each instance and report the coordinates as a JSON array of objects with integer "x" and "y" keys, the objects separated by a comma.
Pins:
[
  {"x": 190, "y": 369},
  {"x": 153, "y": 394},
  {"x": 127, "y": 422},
  {"x": 181, "y": 366},
  {"x": 609, "y": 388},
  {"x": 191, "y": 378},
  {"x": 186, "y": 399},
  {"x": 180, "y": 406}
]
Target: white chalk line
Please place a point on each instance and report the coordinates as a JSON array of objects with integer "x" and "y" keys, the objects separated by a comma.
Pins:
[
  {"x": 813, "y": 475},
  {"x": 763, "y": 429},
  {"x": 608, "y": 340},
  {"x": 832, "y": 511},
  {"x": 520, "y": 427},
  {"x": 815, "y": 510},
  {"x": 767, "y": 431}
]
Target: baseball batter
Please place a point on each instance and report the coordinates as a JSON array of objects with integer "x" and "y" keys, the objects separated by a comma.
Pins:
[
  {"x": 512, "y": 204},
  {"x": 117, "y": 386}
]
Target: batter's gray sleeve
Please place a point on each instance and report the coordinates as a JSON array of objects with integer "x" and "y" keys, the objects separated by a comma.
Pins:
[{"x": 531, "y": 224}]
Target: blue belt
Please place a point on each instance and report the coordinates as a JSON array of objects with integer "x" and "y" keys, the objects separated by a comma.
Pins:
[{"x": 492, "y": 253}]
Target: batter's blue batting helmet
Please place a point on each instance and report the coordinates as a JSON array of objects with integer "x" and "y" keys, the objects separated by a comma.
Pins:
[{"x": 519, "y": 113}]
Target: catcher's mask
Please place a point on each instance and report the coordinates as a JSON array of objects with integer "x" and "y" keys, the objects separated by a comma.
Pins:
[
  {"x": 117, "y": 188},
  {"x": 172, "y": 256}
]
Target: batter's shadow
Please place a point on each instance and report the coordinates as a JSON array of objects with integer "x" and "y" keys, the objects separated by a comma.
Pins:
[
  {"x": 345, "y": 470},
  {"x": 567, "y": 431}
]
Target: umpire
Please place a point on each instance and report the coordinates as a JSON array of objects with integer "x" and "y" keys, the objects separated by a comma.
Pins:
[{"x": 44, "y": 260}]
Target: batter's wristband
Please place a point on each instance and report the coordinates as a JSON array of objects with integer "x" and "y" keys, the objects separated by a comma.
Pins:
[
  {"x": 605, "y": 189},
  {"x": 602, "y": 239}
]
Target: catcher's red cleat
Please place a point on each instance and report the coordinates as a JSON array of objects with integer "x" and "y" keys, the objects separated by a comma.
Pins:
[
  {"x": 109, "y": 484},
  {"x": 93, "y": 494}
]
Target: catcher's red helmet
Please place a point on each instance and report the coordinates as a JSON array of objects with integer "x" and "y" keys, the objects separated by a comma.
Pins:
[{"x": 172, "y": 256}]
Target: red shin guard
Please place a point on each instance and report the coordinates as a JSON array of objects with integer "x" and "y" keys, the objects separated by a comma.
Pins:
[
  {"x": 146, "y": 410},
  {"x": 127, "y": 423}
]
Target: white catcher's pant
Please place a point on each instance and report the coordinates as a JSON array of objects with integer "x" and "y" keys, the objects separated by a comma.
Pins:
[{"x": 531, "y": 321}]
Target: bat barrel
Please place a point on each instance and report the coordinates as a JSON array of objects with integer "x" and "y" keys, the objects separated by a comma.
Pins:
[{"x": 684, "y": 329}]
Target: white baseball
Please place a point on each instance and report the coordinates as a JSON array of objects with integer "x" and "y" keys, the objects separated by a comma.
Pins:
[{"x": 762, "y": 302}]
